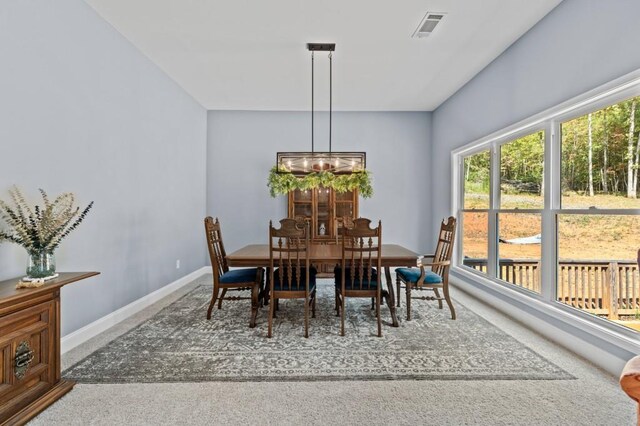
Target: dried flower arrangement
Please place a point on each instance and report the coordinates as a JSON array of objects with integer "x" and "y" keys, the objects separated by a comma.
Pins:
[{"x": 40, "y": 229}]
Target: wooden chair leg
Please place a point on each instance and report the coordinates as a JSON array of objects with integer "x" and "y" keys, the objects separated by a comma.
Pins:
[
  {"x": 445, "y": 289},
  {"x": 398, "y": 289},
  {"x": 216, "y": 290},
  {"x": 408, "y": 291},
  {"x": 373, "y": 303},
  {"x": 261, "y": 286},
  {"x": 224, "y": 292},
  {"x": 255, "y": 304},
  {"x": 435, "y": 290},
  {"x": 271, "y": 315}
]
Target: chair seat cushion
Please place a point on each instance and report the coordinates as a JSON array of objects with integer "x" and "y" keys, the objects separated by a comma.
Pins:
[
  {"x": 296, "y": 285},
  {"x": 355, "y": 284},
  {"x": 236, "y": 276},
  {"x": 412, "y": 275}
]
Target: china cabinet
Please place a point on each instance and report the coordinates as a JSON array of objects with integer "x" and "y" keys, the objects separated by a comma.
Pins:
[{"x": 325, "y": 209}]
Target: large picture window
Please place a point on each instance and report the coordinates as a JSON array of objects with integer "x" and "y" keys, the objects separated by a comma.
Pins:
[{"x": 555, "y": 210}]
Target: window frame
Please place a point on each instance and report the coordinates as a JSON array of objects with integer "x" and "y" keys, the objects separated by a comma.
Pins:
[{"x": 550, "y": 122}]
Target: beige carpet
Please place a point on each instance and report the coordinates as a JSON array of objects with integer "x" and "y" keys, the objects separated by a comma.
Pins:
[{"x": 594, "y": 398}]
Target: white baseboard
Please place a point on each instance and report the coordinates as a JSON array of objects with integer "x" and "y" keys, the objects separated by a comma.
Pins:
[{"x": 85, "y": 333}]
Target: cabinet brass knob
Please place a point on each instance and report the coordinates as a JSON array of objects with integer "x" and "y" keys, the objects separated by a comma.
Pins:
[{"x": 24, "y": 357}]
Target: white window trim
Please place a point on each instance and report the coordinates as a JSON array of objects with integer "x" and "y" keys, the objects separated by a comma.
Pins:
[{"x": 549, "y": 120}]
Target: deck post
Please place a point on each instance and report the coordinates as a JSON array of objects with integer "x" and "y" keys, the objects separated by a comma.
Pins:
[{"x": 612, "y": 292}]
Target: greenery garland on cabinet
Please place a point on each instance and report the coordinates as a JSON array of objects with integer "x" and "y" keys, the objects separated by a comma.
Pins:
[{"x": 281, "y": 182}]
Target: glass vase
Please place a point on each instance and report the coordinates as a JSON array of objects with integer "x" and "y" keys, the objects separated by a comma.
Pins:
[{"x": 41, "y": 264}]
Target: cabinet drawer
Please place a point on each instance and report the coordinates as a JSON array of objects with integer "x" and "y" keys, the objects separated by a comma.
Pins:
[{"x": 29, "y": 335}]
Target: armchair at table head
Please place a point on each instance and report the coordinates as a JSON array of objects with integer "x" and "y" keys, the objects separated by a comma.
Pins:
[
  {"x": 290, "y": 274},
  {"x": 230, "y": 280},
  {"x": 360, "y": 272},
  {"x": 432, "y": 275}
]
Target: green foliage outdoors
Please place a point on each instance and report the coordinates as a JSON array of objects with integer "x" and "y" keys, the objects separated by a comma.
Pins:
[
  {"x": 281, "y": 182},
  {"x": 610, "y": 137},
  {"x": 614, "y": 146}
]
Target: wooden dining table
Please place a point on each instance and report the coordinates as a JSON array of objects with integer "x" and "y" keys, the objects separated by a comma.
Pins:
[{"x": 393, "y": 255}]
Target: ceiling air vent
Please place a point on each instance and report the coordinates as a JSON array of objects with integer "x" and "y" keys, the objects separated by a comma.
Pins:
[{"x": 428, "y": 24}]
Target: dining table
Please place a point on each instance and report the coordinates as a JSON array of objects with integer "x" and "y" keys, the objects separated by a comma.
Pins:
[{"x": 392, "y": 256}]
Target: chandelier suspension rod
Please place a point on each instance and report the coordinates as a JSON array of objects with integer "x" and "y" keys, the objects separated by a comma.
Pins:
[
  {"x": 312, "y": 150},
  {"x": 330, "y": 96}
]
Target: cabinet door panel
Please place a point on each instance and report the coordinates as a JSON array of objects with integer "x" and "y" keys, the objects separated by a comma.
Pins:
[{"x": 32, "y": 330}]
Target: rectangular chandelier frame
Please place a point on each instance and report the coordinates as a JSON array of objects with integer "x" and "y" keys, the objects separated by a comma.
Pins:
[{"x": 338, "y": 163}]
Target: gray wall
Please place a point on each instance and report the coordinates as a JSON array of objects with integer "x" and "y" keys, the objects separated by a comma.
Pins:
[
  {"x": 82, "y": 110},
  {"x": 578, "y": 46},
  {"x": 242, "y": 148}
]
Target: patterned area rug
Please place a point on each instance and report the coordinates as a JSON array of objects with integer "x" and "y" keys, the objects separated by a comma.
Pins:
[{"x": 179, "y": 345}]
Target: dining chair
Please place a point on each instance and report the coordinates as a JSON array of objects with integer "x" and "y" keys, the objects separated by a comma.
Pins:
[
  {"x": 360, "y": 272},
  {"x": 234, "y": 280},
  {"x": 290, "y": 274},
  {"x": 434, "y": 279}
]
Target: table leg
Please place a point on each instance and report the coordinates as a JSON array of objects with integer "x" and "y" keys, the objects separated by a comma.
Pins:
[
  {"x": 267, "y": 287},
  {"x": 391, "y": 300},
  {"x": 255, "y": 303}
]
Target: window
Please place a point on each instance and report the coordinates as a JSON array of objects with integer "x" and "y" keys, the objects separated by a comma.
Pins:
[
  {"x": 475, "y": 220},
  {"x": 519, "y": 249},
  {"x": 601, "y": 158},
  {"x": 518, "y": 218},
  {"x": 599, "y": 236},
  {"x": 521, "y": 167},
  {"x": 559, "y": 198}
]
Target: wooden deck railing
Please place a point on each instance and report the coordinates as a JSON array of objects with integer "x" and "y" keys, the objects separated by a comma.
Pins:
[{"x": 603, "y": 287}]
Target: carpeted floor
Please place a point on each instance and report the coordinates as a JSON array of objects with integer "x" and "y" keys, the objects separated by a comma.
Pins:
[
  {"x": 593, "y": 397},
  {"x": 179, "y": 345}
]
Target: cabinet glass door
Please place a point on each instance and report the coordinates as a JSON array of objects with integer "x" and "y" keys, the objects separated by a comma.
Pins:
[
  {"x": 302, "y": 204},
  {"x": 323, "y": 213}
]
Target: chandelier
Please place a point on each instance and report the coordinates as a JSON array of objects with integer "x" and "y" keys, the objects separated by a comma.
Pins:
[{"x": 304, "y": 163}]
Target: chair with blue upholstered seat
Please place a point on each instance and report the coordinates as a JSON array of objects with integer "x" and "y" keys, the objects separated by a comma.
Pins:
[
  {"x": 359, "y": 273},
  {"x": 235, "y": 280},
  {"x": 437, "y": 278},
  {"x": 290, "y": 274}
]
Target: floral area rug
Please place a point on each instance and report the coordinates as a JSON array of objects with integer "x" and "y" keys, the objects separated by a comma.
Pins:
[{"x": 179, "y": 344}]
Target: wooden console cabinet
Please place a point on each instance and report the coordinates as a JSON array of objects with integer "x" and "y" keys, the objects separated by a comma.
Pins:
[{"x": 30, "y": 348}]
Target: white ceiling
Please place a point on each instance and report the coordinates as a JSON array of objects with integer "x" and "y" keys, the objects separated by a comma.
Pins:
[{"x": 251, "y": 54}]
